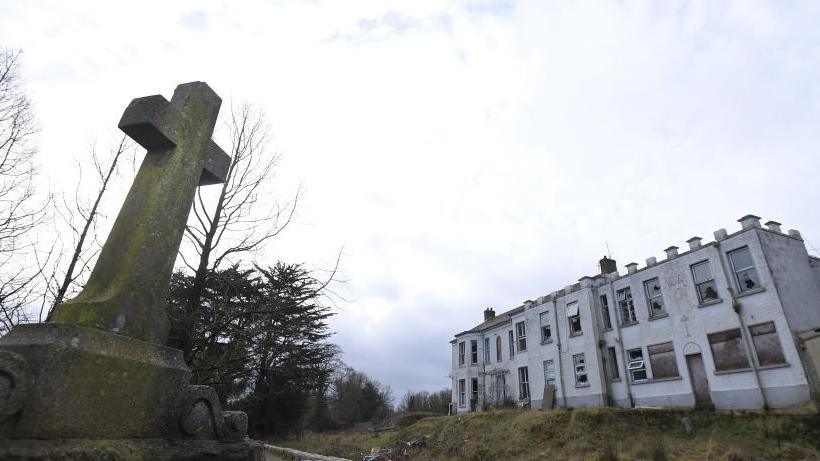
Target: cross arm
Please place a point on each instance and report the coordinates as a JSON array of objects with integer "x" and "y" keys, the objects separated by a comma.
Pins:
[
  {"x": 151, "y": 122},
  {"x": 215, "y": 167}
]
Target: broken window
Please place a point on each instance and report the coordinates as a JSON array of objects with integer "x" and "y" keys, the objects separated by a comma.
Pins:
[
  {"x": 626, "y": 307},
  {"x": 549, "y": 373},
  {"x": 546, "y": 328},
  {"x": 512, "y": 344},
  {"x": 580, "y": 363},
  {"x": 637, "y": 366},
  {"x": 612, "y": 363},
  {"x": 462, "y": 396},
  {"x": 486, "y": 350},
  {"x": 728, "y": 351},
  {"x": 523, "y": 383},
  {"x": 654, "y": 297},
  {"x": 744, "y": 269},
  {"x": 521, "y": 331},
  {"x": 704, "y": 282},
  {"x": 574, "y": 317},
  {"x": 474, "y": 392},
  {"x": 498, "y": 349},
  {"x": 767, "y": 344},
  {"x": 461, "y": 353},
  {"x": 605, "y": 313},
  {"x": 662, "y": 360},
  {"x": 474, "y": 351}
]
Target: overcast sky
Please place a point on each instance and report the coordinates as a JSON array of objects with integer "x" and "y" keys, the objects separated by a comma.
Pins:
[{"x": 464, "y": 154}]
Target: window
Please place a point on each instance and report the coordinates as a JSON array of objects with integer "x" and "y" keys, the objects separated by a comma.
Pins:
[
  {"x": 744, "y": 269},
  {"x": 767, "y": 344},
  {"x": 546, "y": 329},
  {"x": 574, "y": 319},
  {"x": 549, "y": 373},
  {"x": 521, "y": 331},
  {"x": 662, "y": 360},
  {"x": 461, "y": 353},
  {"x": 654, "y": 297},
  {"x": 704, "y": 282},
  {"x": 523, "y": 383},
  {"x": 728, "y": 351},
  {"x": 580, "y": 370},
  {"x": 486, "y": 350},
  {"x": 612, "y": 363},
  {"x": 637, "y": 366},
  {"x": 512, "y": 344},
  {"x": 626, "y": 307},
  {"x": 474, "y": 351},
  {"x": 473, "y": 392},
  {"x": 500, "y": 388},
  {"x": 462, "y": 396},
  {"x": 498, "y": 349},
  {"x": 605, "y": 313}
]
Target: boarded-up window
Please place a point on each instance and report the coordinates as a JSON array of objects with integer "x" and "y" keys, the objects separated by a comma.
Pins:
[
  {"x": 728, "y": 351},
  {"x": 662, "y": 360},
  {"x": 767, "y": 344}
]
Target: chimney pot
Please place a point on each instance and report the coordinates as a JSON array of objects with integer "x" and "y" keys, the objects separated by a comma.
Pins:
[
  {"x": 631, "y": 268},
  {"x": 651, "y": 261},
  {"x": 694, "y": 243},
  {"x": 773, "y": 226},
  {"x": 795, "y": 233},
  {"x": 671, "y": 252},
  {"x": 489, "y": 313},
  {"x": 749, "y": 221},
  {"x": 720, "y": 234}
]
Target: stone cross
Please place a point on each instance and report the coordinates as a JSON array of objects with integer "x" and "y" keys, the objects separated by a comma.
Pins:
[{"x": 127, "y": 290}]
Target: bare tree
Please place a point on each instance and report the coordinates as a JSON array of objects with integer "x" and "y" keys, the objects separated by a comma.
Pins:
[
  {"x": 82, "y": 217},
  {"x": 20, "y": 210},
  {"x": 235, "y": 220}
]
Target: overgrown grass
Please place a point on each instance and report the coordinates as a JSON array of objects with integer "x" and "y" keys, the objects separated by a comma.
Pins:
[{"x": 592, "y": 434}]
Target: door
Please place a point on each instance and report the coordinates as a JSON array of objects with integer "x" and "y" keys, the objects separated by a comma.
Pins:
[{"x": 700, "y": 385}]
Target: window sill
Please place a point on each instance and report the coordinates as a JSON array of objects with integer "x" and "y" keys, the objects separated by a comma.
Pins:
[
  {"x": 710, "y": 302},
  {"x": 659, "y": 316},
  {"x": 582, "y": 385},
  {"x": 729, "y": 372},
  {"x": 608, "y": 329},
  {"x": 774, "y": 366},
  {"x": 614, "y": 380},
  {"x": 750, "y": 292},
  {"x": 548, "y": 341},
  {"x": 624, "y": 325},
  {"x": 572, "y": 335},
  {"x": 660, "y": 380}
]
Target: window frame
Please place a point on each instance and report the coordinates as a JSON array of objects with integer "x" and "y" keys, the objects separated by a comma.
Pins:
[
  {"x": 474, "y": 390},
  {"x": 499, "y": 357},
  {"x": 576, "y": 358},
  {"x": 462, "y": 392},
  {"x": 546, "y": 326},
  {"x": 653, "y": 298},
  {"x": 629, "y": 304},
  {"x": 523, "y": 383},
  {"x": 633, "y": 366},
  {"x": 736, "y": 271},
  {"x": 774, "y": 332},
  {"x": 462, "y": 353},
  {"x": 742, "y": 348},
  {"x": 548, "y": 370},
  {"x": 512, "y": 344},
  {"x": 473, "y": 352},
  {"x": 612, "y": 363},
  {"x": 711, "y": 281},
  {"x": 486, "y": 350},
  {"x": 655, "y": 350},
  {"x": 606, "y": 319},
  {"x": 521, "y": 335},
  {"x": 572, "y": 319}
]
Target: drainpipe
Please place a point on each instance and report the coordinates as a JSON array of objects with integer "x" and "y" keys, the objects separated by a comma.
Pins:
[
  {"x": 736, "y": 306},
  {"x": 558, "y": 344},
  {"x": 620, "y": 341}
]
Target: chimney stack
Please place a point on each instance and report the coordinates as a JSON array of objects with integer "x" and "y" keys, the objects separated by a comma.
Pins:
[
  {"x": 773, "y": 226},
  {"x": 631, "y": 268},
  {"x": 749, "y": 221},
  {"x": 607, "y": 265},
  {"x": 489, "y": 313},
  {"x": 651, "y": 261},
  {"x": 671, "y": 252},
  {"x": 694, "y": 243}
]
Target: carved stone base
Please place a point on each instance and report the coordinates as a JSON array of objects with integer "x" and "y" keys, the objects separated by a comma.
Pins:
[{"x": 129, "y": 450}]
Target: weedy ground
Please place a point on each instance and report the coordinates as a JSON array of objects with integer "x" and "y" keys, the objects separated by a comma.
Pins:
[{"x": 603, "y": 434}]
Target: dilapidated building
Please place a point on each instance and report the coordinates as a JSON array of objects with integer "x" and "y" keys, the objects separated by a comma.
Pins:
[{"x": 733, "y": 324}]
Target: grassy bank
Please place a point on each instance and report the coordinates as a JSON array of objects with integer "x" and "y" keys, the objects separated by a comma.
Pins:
[{"x": 593, "y": 434}]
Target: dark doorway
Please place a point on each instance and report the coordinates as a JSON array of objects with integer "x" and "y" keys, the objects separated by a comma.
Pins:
[{"x": 700, "y": 384}]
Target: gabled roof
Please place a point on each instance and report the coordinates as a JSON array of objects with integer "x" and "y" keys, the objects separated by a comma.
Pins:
[{"x": 495, "y": 321}]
